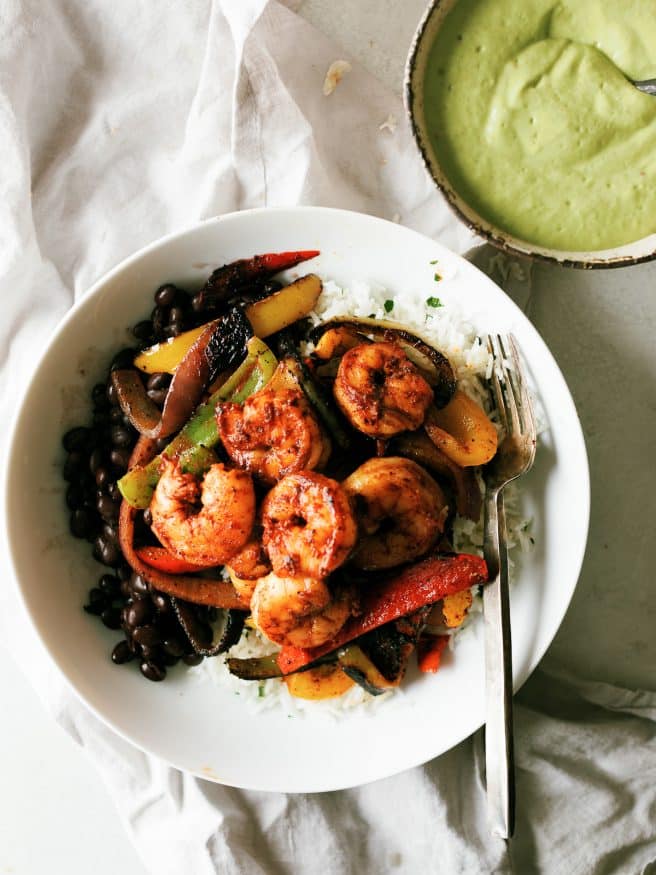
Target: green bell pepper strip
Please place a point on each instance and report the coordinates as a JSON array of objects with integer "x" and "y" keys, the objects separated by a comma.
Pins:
[{"x": 193, "y": 445}]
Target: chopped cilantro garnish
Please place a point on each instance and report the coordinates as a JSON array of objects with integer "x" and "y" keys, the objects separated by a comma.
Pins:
[
  {"x": 437, "y": 277},
  {"x": 433, "y": 262},
  {"x": 371, "y": 316},
  {"x": 389, "y": 306},
  {"x": 260, "y": 690},
  {"x": 434, "y": 302}
]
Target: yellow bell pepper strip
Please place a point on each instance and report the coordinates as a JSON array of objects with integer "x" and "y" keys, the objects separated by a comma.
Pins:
[
  {"x": 192, "y": 446},
  {"x": 266, "y": 317},
  {"x": 414, "y": 587},
  {"x": 462, "y": 431}
]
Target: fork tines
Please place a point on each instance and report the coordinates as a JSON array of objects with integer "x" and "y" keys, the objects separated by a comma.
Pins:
[{"x": 511, "y": 396}]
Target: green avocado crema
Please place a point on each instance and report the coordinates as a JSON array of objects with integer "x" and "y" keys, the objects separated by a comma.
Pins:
[{"x": 535, "y": 124}]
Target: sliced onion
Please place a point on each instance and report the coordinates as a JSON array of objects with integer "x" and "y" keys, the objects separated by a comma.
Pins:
[{"x": 221, "y": 345}]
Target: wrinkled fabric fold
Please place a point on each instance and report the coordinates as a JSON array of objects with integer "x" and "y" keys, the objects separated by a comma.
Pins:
[{"x": 122, "y": 122}]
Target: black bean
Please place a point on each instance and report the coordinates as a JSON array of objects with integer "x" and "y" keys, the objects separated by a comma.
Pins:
[
  {"x": 121, "y": 437},
  {"x": 123, "y": 359},
  {"x": 76, "y": 439},
  {"x": 198, "y": 303},
  {"x": 75, "y": 496},
  {"x": 143, "y": 330},
  {"x": 152, "y": 654},
  {"x": 110, "y": 532},
  {"x": 102, "y": 477},
  {"x": 158, "y": 396},
  {"x": 161, "y": 602},
  {"x": 81, "y": 523},
  {"x": 100, "y": 418},
  {"x": 124, "y": 571},
  {"x": 169, "y": 660},
  {"x": 114, "y": 493},
  {"x": 111, "y": 617},
  {"x": 134, "y": 646},
  {"x": 162, "y": 443},
  {"x": 147, "y": 517},
  {"x": 126, "y": 590},
  {"x": 112, "y": 397},
  {"x": 174, "y": 647},
  {"x": 166, "y": 295},
  {"x": 116, "y": 415},
  {"x": 192, "y": 659},
  {"x": 173, "y": 329},
  {"x": 271, "y": 287},
  {"x": 138, "y": 585},
  {"x": 176, "y": 314},
  {"x": 99, "y": 396},
  {"x": 147, "y": 636},
  {"x": 109, "y": 585},
  {"x": 107, "y": 508},
  {"x": 122, "y": 653},
  {"x": 152, "y": 671},
  {"x": 95, "y": 610},
  {"x": 120, "y": 457},
  {"x": 159, "y": 318},
  {"x": 106, "y": 551},
  {"x": 160, "y": 380},
  {"x": 97, "y": 596},
  {"x": 74, "y": 461},
  {"x": 95, "y": 460},
  {"x": 137, "y": 614}
]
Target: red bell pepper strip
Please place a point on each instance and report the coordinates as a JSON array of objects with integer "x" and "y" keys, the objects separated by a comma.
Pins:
[
  {"x": 274, "y": 262},
  {"x": 247, "y": 271},
  {"x": 429, "y": 651},
  {"x": 421, "y": 584},
  {"x": 160, "y": 558}
]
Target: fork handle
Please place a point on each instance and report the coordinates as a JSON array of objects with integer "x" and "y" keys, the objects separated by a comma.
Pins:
[{"x": 499, "y": 753}]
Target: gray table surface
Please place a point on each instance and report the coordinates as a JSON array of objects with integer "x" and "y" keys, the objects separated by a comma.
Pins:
[{"x": 600, "y": 327}]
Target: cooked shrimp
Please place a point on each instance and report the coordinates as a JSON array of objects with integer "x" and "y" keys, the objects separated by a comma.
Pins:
[
  {"x": 299, "y": 610},
  {"x": 401, "y": 511},
  {"x": 380, "y": 391},
  {"x": 274, "y": 433},
  {"x": 309, "y": 527},
  {"x": 203, "y": 522},
  {"x": 251, "y": 561}
]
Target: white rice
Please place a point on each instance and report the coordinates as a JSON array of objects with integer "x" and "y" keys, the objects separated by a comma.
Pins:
[{"x": 457, "y": 339}]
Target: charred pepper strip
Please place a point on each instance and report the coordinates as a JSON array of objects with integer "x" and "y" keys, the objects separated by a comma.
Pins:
[
  {"x": 192, "y": 446},
  {"x": 412, "y": 588},
  {"x": 230, "y": 278}
]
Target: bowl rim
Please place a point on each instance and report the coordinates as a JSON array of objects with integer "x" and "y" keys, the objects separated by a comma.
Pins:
[{"x": 593, "y": 260}]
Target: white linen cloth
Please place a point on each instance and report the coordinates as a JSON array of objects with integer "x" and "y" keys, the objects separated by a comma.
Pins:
[{"x": 122, "y": 121}]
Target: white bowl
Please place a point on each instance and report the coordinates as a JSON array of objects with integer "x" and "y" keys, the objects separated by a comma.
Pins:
[
  {"x": 187, "y": 720},
  {"x": 621, "y": 256}
]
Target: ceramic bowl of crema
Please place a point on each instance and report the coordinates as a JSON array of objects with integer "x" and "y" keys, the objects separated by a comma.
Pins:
[{"x": 528, "y": 122}]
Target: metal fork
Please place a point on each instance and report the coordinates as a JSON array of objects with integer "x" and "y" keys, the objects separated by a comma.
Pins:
[{"x": 514, "y": 457}]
